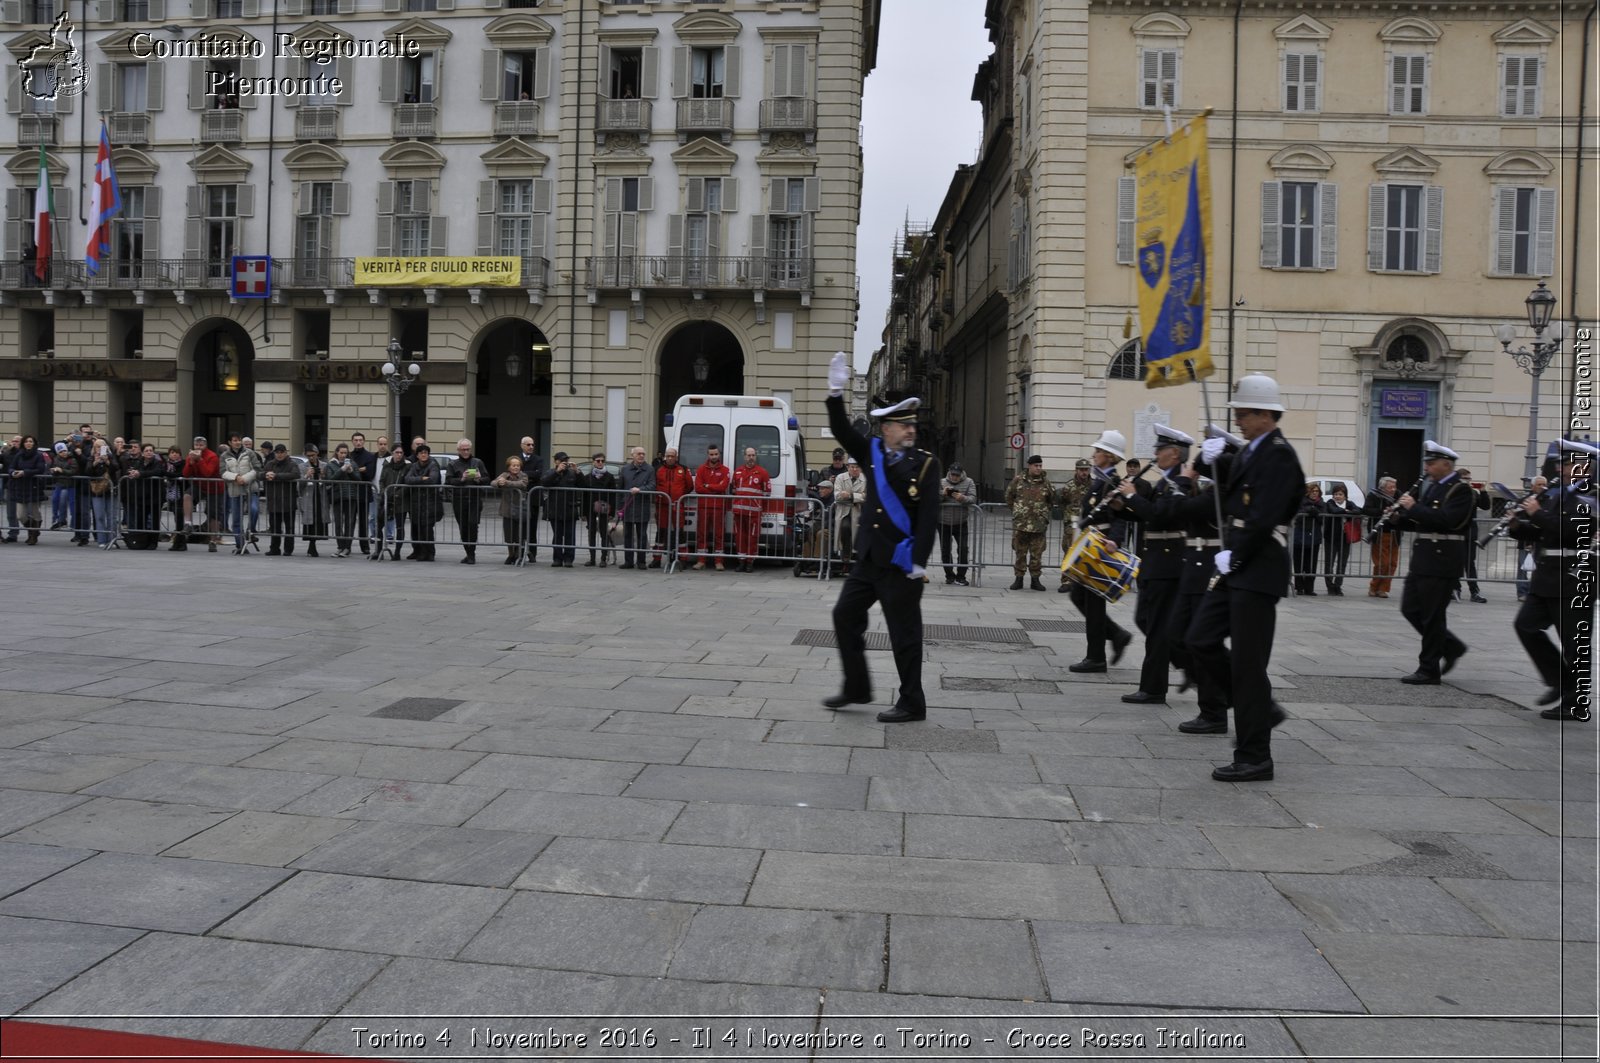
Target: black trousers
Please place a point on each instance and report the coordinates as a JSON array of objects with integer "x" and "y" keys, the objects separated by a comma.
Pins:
[
  {"x": 1559, "y": 662},
  {"x": 467, "y": 517},
  {"x": 901, "y": 598},
  {"x": 1424, "y": 603},
  {"x": 635, "y": 543},
  {"x": 1157, "y": 597},
  {"x": 562, "y": 533},
  {"x": 1335, "y": 561},
  {"x": 422, "y": 536},
  {"x": 1096, "y": 624},
  {"x": 958, "y": 534},
  {"x": 344, "y": 520},
  {"x": 1213, "y": 702},
  {"x": 1247, "y": 620},
  {"x": 282, "y": 525}
]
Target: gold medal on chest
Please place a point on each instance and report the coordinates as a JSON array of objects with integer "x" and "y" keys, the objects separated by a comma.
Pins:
[
  {"x": 1247, "y": 498},
  {"x": 912, "y": 491}
]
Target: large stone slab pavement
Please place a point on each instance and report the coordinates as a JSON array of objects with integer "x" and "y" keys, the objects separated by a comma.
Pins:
[{"x": 341, "y": 791}]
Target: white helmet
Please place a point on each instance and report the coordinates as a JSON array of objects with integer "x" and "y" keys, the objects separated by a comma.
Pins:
[
  {"x": 1112, "y": 442},
  {"x": 1256, "y": 392}
]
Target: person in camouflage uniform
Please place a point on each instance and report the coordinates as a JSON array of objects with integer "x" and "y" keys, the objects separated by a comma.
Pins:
[
  {"x": 1029, "y": 497},
  {"x": 1071, "y": 503}
]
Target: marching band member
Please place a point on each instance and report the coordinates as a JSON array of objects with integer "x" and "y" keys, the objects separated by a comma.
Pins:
[
  {"x": 1442, "y": 519},
  {"x": 1097, "y": 626},
  {"x": 898, "y": 522},
  {"x": 1161, "y": 556},
  {"x": 1261, "y": 487},
  {"x": 1561, "y": 521}
]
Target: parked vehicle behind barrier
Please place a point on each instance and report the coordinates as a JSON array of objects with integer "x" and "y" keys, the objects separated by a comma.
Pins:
[{"x": 734, "y": 422}]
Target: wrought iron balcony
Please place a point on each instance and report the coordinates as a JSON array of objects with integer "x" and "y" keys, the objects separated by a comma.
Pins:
[
  {"x": 222, "y": 127},
  {"x": 171, "y": 273},
  {"x": 36, "y": 129},
  {"x": 129, "y": 127},
  {"x": 788, "y": 114},
  {"x": 415, "y": 120},
  {"x": 694, "y": 272},
  {"x": 316, "y": 123},
  {"x": 73, "y": 274},
  {"x": 517, "y": 118},
  {"x": 696, "y": 117},
  {"x": 622, "y": 116}
]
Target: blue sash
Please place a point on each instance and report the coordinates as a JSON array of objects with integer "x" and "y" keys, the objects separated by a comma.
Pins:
[{"x": 892, "y": 508}]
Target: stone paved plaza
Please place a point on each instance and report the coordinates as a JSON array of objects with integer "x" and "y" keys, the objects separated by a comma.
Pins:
[{"x": 278, "y": 801}]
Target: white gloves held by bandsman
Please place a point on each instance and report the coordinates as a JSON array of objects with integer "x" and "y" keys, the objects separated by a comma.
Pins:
[
  {"x": 838, "y": 373},
  {"x": 917, "y": 572},
  {"x": 1211, "y": 450},
  {"x": 1224, "y": 562}
]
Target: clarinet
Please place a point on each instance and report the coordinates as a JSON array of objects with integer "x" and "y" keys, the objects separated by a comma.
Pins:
[
  {"x": 1513, "y": 511},
  {"x": 1394, "y": 507},
  {"x": 1111, "y": 495}
]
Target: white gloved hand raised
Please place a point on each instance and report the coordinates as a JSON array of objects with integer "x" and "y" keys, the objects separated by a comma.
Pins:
[
  {"x": 917, "y": 572},
  {"x": 1211, "y": 449},
  {"x": 1224, "y": 562},
  {"x": 838, "y": 373}
]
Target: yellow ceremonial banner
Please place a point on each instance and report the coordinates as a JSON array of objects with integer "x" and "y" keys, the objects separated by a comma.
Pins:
[
  {"x": 1172, "y": 240},
  {"x": 438, "y": 272}
]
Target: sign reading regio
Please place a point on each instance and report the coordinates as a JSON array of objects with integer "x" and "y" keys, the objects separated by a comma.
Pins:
[{"x": 438, "y": 272}]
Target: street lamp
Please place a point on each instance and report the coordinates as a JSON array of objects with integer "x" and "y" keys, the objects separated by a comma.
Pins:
[
  {"x": 399, "y": 381},
  {"x": 1534, "y": 360}
]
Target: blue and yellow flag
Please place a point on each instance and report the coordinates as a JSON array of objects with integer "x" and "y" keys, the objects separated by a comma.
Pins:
[{"x": 1173, "y": 248}]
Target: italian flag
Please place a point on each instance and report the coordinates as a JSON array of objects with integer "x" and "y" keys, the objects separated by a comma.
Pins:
[{"x": 42, "y": 202}]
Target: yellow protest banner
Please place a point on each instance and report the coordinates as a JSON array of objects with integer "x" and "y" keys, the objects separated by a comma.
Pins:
[
  {"x": 438, "y": 272},
  {"x": 1172, "y": 243}
]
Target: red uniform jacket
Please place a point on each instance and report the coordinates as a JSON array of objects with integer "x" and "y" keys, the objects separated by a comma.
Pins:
[
  {"x": 712, "y": 479},
  {"x": 753, "y": 483},
  {"x": 674, "y": 481}
]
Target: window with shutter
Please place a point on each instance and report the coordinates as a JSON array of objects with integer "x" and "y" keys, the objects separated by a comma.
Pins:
[
  {"x": 1407, "y": 84},
  {"x": 1301, "y": 71},
  {"x": 1297, "y": 230},
  {"x": 1126, "y": 205},
  {"x": 1519, "y": 76}
]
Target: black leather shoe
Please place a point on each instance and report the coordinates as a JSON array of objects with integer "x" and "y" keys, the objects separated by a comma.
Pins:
[
  {"x": 1550, "y": 696},
  {"x": 1450, "y": 660},
  {"x": 1086, "y": 665},
  {"x": 1200, "y": 725},
  {"x": 1139, "y": 697},
  {"x": 1119, "y": 646},
  {"x": 1480, "y": 599},
  {"x": 1237, "y": 772},
  {"x": 1034, "y": 584},
  {"x": 1065, "y": 588},
  {"x": 901, "y": 716},
  {"x": 1420, "y": 679},
  {"x": 1559, "y": 713},
  {"x": 1016, "y": 584},
  {"x": 839, "y": 701}
]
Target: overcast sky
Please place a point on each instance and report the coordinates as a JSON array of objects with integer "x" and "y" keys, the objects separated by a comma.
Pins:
[{"x": 920, "y": 123}]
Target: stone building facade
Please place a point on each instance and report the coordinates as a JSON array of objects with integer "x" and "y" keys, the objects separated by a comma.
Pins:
[
  {"x": 678, "y": 183},
  {"x": 1386, "y": 192}
]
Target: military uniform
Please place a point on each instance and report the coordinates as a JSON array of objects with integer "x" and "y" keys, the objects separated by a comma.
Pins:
[
  {"x": 1098, "y": 627},
  {"x": 1029, "y": 497},
  {"x": 1261, "y": 489},
  {"x": 1442, "y": 519},
  {"x": 1560, "y": 594},
  {"x": 914, "y": 477},
  {"x": 1162, "y": 538}
]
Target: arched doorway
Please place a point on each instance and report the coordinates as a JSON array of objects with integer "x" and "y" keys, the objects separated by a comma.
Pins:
[
  {"x": 224, "y": 392},
  {"x": 513, "y": 364},
  {"x": 701, "y": 358}
]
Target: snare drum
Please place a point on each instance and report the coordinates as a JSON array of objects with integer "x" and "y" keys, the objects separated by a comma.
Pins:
[{"x": 1096, "y": 563}]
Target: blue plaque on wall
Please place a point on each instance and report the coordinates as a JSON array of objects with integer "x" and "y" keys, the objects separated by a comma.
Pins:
[{"x": 1403, "y": 402}]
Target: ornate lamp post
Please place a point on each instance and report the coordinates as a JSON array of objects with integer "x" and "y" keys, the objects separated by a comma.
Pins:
[
  {"x": 1534, "y": 360},
  {"x": 399, "y": 381}
]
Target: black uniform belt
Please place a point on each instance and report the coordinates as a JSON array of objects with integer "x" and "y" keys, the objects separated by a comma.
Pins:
[
  {"x": 1162, "y": 535},
  {"x": 1441, "y": 536},
  {"x": 1205, "y": 542}
]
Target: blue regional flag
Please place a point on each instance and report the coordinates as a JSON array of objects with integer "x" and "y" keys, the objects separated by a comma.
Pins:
[{"x": 1173, "y": 224}]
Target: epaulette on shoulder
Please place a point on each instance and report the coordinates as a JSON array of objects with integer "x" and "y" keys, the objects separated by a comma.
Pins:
[{"x": 1280, "y": 441}]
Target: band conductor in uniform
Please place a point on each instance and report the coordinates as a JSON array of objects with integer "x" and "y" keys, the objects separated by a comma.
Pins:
[
  {"x": 1261, "y": 487},
  {"x": 898, "y": 523},
  {"x": 1162, "y": 544},
  {"x": 1442, "y": 519}
]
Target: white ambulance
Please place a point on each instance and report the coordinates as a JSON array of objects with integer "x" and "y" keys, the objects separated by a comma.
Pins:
[{"x": 732, "y": 423}]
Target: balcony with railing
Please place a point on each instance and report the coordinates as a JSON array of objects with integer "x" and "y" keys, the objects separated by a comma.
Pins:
[
  {"x": 174, "y": 273},
  {"x": 129, "y": 127},
  {"x": 36, "y": 129},
  {"x": 73, "y": 274},
  {"x": 316, "y": 123},
  {"x": 622, "y": 116},
  {"x": 693, "y": 272},
  {"x": 788, "y": 114},
  {"x": 415, "y": 120},
  {"x": 516, "y": 118},
  {"x": 222, "y": 127},
  {"x": 705, "y": 117}
]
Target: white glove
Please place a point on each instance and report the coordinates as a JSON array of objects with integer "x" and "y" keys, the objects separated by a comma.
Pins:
[
  {"x": 917, "y": 572},
  {"x": 838, "y": 374},
  {"x": 1212, "y": 449},
  {"x": 1224, "y": 562}
]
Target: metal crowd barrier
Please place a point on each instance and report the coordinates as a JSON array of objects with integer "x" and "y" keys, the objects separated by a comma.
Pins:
[
  {"x": 1321, "y": 552},
  {"x": 608, "y": 526},
  {"x": 728, "y": 530},
  {"x": 427, "y": 516}
]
